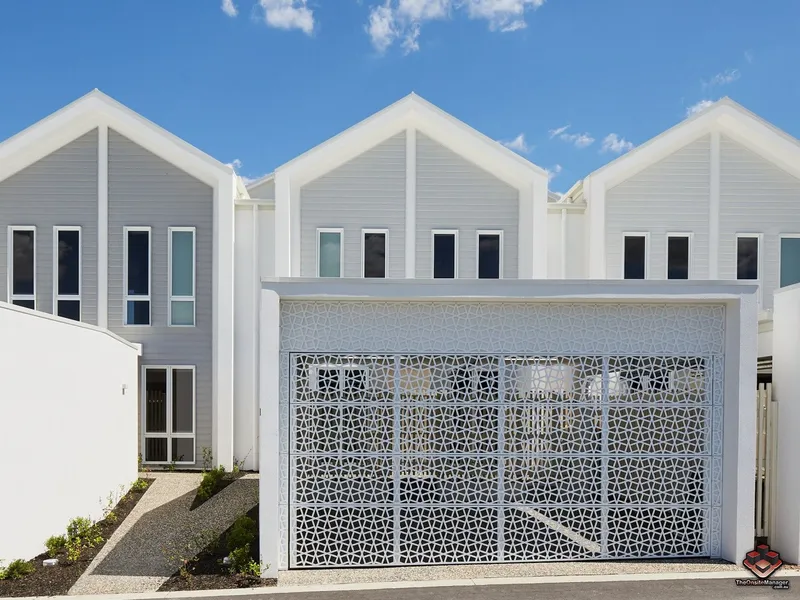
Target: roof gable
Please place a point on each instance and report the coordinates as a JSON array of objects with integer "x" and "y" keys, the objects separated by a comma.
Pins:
[
  {"x": 412, "y": 112},
  {"x": 91, "y": 111},
  {"x": 725, "y": 116}
]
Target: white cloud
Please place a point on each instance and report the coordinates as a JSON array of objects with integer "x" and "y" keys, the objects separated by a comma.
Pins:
[
  {"x": 518, "y": 144},
  {"x": 288, "y": 14},
  {"x": 249, "y": 180},
  {"x": 616, "y": 144},
  {"x": 229, "y": 8},
  {"x": 698, "y": 107},
  {"x": 557, "y": 131},
  {"x": 748, "y": 56},
  {"x": 235, "y": 164},
  {"x": 724, "y": 78},
  {"x": 580, "y": 140},
  {"x": 403, "y": 19},
  {"x": 554, "y": 172}
]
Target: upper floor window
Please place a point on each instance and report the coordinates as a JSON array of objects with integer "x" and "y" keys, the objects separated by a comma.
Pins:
[
  {"x": 678, "y": 250},
  {"x": 634, "y": 256},
  {"x": 182, "y": 276},
  {"x": 330, "y": 252},
  {"x": 490, "y": 254},
  {"x": 22, "y": 266},
  {"x": 136, "y": 277},
  {"x": 373, "y": 260},
  {"x": 445, "y": 254},
  {"x": 748, "y": 249},
  {"x": 790, "y": 259},
  {"x": 67, "y": 272}
]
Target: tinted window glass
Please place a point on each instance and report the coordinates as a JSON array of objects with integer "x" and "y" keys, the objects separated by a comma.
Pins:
[
  {"x": 790, "y": 261},
  {"x": 330, "y": 254},
  {"x": 747, "y": 258},
  {"x": 24, "y": 250},
  {"x": 444, "y": 256},
  {"x": 138, "y": 263},
  {"x": 374, "y": 255},
  {"x": 489, "y": 256},
  {"x": 634, "y": 257},
  {"x": 68, "y": 261},
  {"x": 678, "y": 258}
]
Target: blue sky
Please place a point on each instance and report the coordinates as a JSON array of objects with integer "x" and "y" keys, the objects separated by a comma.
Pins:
[{"x": 260, "y": 81}]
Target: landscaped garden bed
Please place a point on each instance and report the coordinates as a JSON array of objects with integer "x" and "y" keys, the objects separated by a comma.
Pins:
[
  {"x": 75, "y": 551},
  {"x": 206, "y": 570}
]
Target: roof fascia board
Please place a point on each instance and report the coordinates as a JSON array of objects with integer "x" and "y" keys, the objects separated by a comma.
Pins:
[
  {"x": 91, "y": 111},
  {"x": 412, "y": 112}
]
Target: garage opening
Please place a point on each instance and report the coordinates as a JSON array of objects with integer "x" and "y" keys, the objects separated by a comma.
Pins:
[{"x": 414, "y": 459}]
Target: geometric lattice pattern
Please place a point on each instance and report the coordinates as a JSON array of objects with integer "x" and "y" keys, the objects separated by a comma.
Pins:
[{"x": 434, "y": 458}]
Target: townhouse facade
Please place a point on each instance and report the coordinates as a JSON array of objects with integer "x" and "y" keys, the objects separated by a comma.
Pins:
[{"x": 356, "y": 274}]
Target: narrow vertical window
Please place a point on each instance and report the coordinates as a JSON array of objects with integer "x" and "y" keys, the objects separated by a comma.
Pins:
[
  {"x": 635, "y": 256},
  {"x": 678, "y": 256},
  {"x": 374, "y": 253},
  {"x": 22, "y": 266},
  {"x": 169, "y": 414},
  {"x": 67, "y": 272},
  {"x": 790, "y": 260},
  {"x": 137, "y": 275},
  {"x": 490, "y": 254},
  {"x": 182, "y": 276},
  {"x": 329, "y": 252},
  {"x": 445, "y": 254},
  {"x": 747, "y": 250}
]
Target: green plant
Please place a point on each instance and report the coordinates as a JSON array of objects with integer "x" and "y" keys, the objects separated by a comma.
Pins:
[
  {"x": 210, "y": 483},
  {"x": 81, "y": 533},
  {"x": 240, "y": 559},
  {"x": 252, "y": 568},
  {"x": 208, "y": 458},
  {"x": 183, "y": 555},
  {"x": 139, "y": 485},
  {"x": 142, "y": 467},
  {"x": 79, "y": 527},
  {"x": 171, "y": 466},
  {"x": 242, "y": 534},
  {"x": 55, "y": 544},
  {"x": 17, "y": 569}
]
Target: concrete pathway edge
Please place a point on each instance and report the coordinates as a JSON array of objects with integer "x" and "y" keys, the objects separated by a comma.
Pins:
[{"x": 341, "y": 587}]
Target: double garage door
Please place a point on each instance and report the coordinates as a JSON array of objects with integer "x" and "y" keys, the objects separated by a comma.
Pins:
[{"x": 444, "y": 458}]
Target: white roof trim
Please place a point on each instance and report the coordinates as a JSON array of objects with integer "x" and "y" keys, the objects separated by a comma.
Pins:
[
  {"x": 726, "y": 116},
  {"x": 261, "y": 180},
  {"x": 89, "y": 112},
  {"x": 415, "y": 113}
]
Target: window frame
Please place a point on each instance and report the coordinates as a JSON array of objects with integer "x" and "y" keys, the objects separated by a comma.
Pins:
[
  {"x": 434, "y": 233},
  {"x": 646, "y": 236},
  {"x": 677, "y": 234},
  {"x": 193, "y": 297},
  {"x": 781, "y": 237},
  {"x": 759, "y": 261},
  {"x": 68, "y": 297},
  {"x": 125, "y": 296},
  {"x": 10, "y": 266},
  {"x": 364, "y": 233},
  {"x": 478, "y": 234},
  {"x": 340, "y": 231},
  {"x": 169, "y": 435}
]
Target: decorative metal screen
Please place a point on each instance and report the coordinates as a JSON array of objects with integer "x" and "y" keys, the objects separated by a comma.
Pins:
[{"x": 403, "y": 459}]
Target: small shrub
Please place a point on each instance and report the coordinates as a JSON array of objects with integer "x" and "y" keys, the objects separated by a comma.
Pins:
[
  {"x": 74, "y": 550},
  {"x": 81, "y": 533},
  {"x": 252, "y": 568},
  {"x": 17, "y": 569},
  {"x": 208, "y": 458},
  {"x": 240, "y": 559},
  {"x": 139, "y": 485},
  {"x": 210, "y": 483},
  {"x": 79, "y": 527},
  {"x": 242, "y": 534},
  {"x": 55, "y": 544}
]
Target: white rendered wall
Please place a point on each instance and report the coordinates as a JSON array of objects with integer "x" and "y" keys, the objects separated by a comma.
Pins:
[
  {"x": 786, "y": 392},
  {"x": 554, "y": 244},
  {"x": 575, "y": 245},
  {"x": 68, "y": 425}
]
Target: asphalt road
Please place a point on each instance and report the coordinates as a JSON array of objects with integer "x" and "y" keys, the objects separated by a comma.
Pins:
[{"x": 713, "y": 589}]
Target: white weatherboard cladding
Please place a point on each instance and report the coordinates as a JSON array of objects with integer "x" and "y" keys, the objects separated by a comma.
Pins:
[
  {"x": 481, "y": 331},
  {"x": 453, "y": 193},
  {"x": 144, "y": 190},
  {"x": 60, "y": 189},
  {"x": 367, "y": 192},
  {"x": 755, "y": 197},
  {"x": 669, "y": 196}
]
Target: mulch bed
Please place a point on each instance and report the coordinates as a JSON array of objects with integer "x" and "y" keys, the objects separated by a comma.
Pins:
[
  {"x": 225, "y": 482},
  {"x": 56, "y": 581},
  {"x": 207, "y": 572}
]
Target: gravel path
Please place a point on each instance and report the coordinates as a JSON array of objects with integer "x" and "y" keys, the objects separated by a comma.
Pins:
[{"x": 141, "y": 555}]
